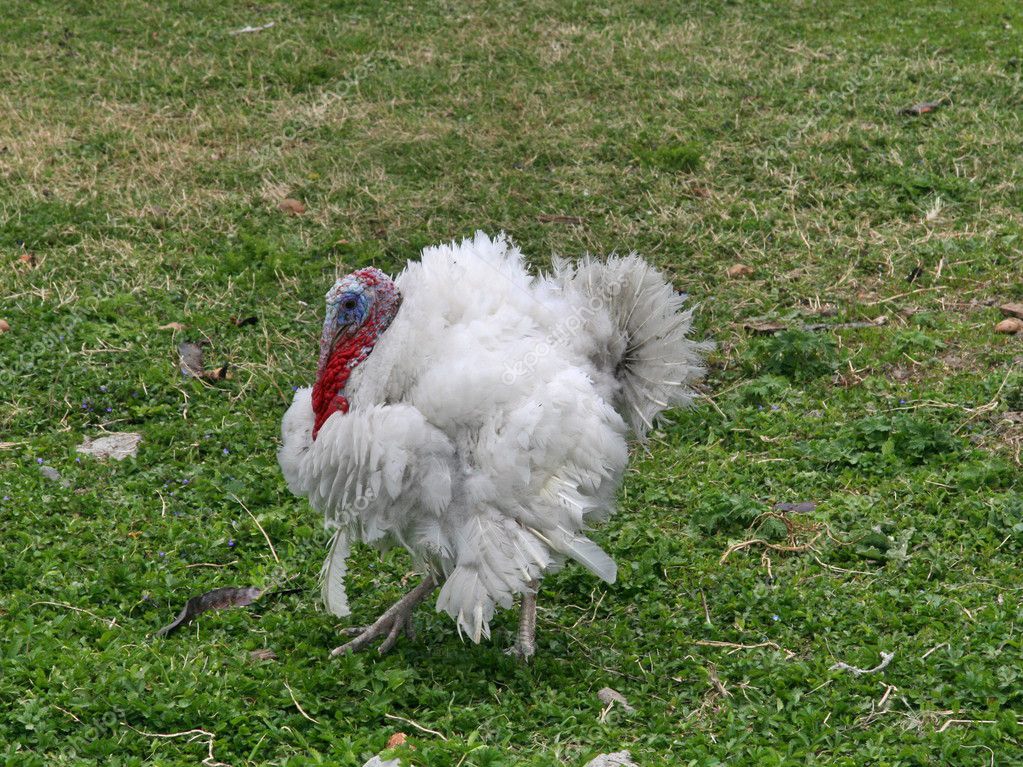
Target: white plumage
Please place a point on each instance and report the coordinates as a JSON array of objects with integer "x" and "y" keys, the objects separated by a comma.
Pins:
[{"x": 487, "y": 429}]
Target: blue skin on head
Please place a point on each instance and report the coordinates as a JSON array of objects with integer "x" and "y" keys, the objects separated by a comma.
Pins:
[
  {"x": 352, "y": 307},
  {"x": 347, "y": 306}
]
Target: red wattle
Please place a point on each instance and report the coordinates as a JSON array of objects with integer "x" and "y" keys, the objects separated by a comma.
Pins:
[
  {"x": 334, "y": 374},
  {"x": 327, "y": 398}
]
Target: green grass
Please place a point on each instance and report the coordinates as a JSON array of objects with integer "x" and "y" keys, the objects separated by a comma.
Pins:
[{"x": 143, "y": 151}]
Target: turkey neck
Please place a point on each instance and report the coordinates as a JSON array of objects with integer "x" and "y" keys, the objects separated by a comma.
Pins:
[
  {"x": 348, "y": 351},
  {"x": 334, "y": 370}
]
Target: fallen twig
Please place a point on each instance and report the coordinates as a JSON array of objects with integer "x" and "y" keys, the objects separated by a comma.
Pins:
[
  {"x": 886, "y": 658},
  {"x": 209, "y": 761},
  {"x": 879, "y": 709},
  {"x": 770, "y": 328},
  {"x": 297, "y": 705},
  {"x": 767, "y": 544},
  {"x": 933, "y": 649},
  {"x": 111, "y": 621},
  {"x": 706, "y": 609},
  {"x": 415, "y": 724},
  {"x": 735, "y": 646},
  {"x": 552, "y": 219},
  {"x": 269, "y": 543},
  {"x": 836, "y": 569},
  {"x": 248, "y": 30},
  {"x": 715, "y": 680},
  {"x": 948, "y": 723},
  {"x": 874, "y": 323}
]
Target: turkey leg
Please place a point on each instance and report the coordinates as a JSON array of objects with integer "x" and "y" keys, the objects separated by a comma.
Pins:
[
  {"x": 525, "y": 638},
  {"x": 396, "y": 618}
]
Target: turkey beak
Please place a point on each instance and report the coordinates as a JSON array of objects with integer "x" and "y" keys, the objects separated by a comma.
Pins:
[{"x": 344, "y": 330}]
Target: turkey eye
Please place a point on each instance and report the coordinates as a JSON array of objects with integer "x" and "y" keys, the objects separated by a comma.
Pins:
[{"x": 348, "y": 304}]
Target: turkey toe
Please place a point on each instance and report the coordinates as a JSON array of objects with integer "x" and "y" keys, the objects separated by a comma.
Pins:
[{"x": 389, "y": 626}]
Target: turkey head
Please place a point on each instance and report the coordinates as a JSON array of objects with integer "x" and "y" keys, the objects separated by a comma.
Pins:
[{"x": 360, "y": 307}]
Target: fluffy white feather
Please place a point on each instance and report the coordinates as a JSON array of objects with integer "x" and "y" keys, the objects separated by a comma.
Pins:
[{"x": 487, "y": 429}]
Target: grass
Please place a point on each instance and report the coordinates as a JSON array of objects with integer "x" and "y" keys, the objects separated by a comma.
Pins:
[{"x": 143, "y": 152}]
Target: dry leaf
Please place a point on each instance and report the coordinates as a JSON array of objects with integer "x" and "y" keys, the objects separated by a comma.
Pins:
[
  {"x": 609, "y": 697},
  {"x": 175, "y": 326},
  {"x": 396, "y": 740},
  {"x": 118, "y": 445},
  {"x": 291, "y": 206},
  {"x": 764, "y": 328},
  {"x": 4, "y": 326},
  {"x": 28, "y": 259},
  {"x": 264, "y": 653},
  {"x": 736, "y": 271},
  {"x": 218, "y": 599},
  {"x": 825, "y": 310},
  {"x": 1012, "y": 310},
  {"x": 1011, "y": 326},
  {"x": 796, "y": 508},
  {"x": 243, "y": 321},
  {"x": 922, "y": 108},
  {"x": 191, "y": 359},
  {"x": 192, "y": 364}
]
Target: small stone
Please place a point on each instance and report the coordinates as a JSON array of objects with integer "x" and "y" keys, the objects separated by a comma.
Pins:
[
  {"x": 1010, "y": 326},
  {"x": 738, "y": 271},
  {"x": 617, "y": 759},
  {"x": 376, "y": 761},
  {"x": 291, "y": 206},
  {"x": 1012, "y": 310},
  {"x": 264, "y": 653},
  {"x": 53, "y": 475},
  {"x": 116, "y": 445},
  {"x": 4, "y": 326}
]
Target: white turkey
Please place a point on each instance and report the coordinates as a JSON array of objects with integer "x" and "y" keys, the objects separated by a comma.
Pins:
[{"x": 478, "y": 416}]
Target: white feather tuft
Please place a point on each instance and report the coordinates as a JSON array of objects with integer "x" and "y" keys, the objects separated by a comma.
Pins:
[{"x": 332, "y": 576}]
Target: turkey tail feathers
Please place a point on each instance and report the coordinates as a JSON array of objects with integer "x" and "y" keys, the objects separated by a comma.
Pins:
[{"x": 653, "y": 360}]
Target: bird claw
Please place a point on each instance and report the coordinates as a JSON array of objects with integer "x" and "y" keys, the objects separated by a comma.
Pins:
[
  {"x": 395, "y": 620},
  {"x": 521, "y": 652},
  {"x": 354, "y": 631},
  {"x": 389, "y": 627}
]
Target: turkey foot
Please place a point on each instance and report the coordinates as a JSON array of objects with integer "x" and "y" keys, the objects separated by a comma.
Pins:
[
  {"x": 389, "y": 625},
  {"x": 525, "y": 638}
]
